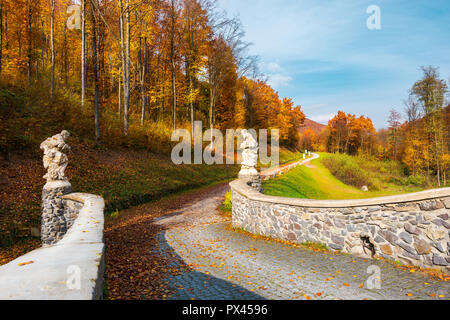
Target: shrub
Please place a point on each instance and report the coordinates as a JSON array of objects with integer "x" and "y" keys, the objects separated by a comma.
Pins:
[
  {"x": 358, "y": 171},
  {"x": 415, "y": 180},
  {"x": 227, "y": 206},
  {"x": 347, "y": 169}
]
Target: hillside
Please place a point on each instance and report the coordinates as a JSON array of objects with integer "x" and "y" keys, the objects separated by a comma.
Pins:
[
  {"x": 317, "y": 181},
  {"x": 123, "y": 177},
  {"x": 126, "y": 171},
  {"x": 312, "y": 125}
]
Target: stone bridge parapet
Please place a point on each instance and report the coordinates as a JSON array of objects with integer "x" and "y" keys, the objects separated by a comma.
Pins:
[{"x": 411, "y": 228}]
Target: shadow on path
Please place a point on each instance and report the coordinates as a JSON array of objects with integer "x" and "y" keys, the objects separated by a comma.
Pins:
[{"x": 196, "y": 285}]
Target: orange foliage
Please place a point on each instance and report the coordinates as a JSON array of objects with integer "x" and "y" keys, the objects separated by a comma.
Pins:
[{"x": 350, "y": 134}]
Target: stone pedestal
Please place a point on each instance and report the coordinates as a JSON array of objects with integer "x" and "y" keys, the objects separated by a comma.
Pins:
[
  {"x": 54, "y": 225},
  {"x": 253, "y": 181}
]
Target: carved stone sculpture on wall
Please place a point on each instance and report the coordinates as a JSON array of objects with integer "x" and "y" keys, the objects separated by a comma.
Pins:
[
  {"x": 55, "y": 158},
  {"x": 248, "y": 171},
  {"x": 249, "y": 154},
  {"x": 55, "y": 222}
]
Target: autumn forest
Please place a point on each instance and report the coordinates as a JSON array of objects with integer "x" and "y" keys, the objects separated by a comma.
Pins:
[
  {"x": 121, "y": 75},
  {"x": 127, "y": 72}
]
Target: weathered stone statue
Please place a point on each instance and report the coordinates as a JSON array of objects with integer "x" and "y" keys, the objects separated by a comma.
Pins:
[
  {"x": 250, "y": 160},
  {"x": 54, "y": 215},
  {"x": 249, "y": 154},
  {"x": 55, "y": 159}
]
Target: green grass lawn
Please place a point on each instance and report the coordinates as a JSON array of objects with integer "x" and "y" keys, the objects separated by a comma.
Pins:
[
  {"x": 286, "y": 157},
  {"x": 136, "y": 180},
  {"x": 315, "y": 181}
]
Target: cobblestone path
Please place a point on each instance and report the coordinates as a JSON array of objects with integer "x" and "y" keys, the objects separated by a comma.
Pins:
[{"x": 231, "y": 265}]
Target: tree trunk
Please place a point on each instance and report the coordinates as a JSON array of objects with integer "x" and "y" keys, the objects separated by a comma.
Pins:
[
  {"x": 30, "y": 14},
  {"x": 347, "y": 142},
  {"x": 143, "y": 60},
  {"x": 122, "y": 41},
  {"x": 125, "y": 52},
  {"x": 211, "y": 109},
  {"x": 83, "y": 50},
  {"x": 437, "y": 154},
  {"x": 1, "y": 35},
  {"x": 395, "y": 144},
  {"x": 189, "y": 62},
  {"x": 192, "y": 105},
  {"x": 6, "y": 29},
  {"x": 174, "y": 100},
  {"x": 52, "y": 47},
  {"x": 65, "y": 62},
  {"x": 96, "y": 79},
  {"x": 435, "y": 132},
  {"x": 445, "y": 177},
  {"x": 120, "y": 94},
  {"x": 190, "y": 90},
  {"x": 173, "y": 65},
  {"x": 127, "y": 63}
]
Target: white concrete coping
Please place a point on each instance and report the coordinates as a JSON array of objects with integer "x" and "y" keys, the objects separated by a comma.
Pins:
[
  {"x": 72, "y": 269},
  {"x": 241, "y": 187}
]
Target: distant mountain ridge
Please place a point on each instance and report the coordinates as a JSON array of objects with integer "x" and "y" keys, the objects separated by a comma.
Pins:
[{"x": 312, "y": 125}]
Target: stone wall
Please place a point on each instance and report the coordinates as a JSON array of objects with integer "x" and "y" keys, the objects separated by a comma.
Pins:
[
  {"x": 58, "y": 214},
  {"x": 70, "y": 269},
  {"x": 411, "y": 228},
  {"x": 71, "y": 211}
]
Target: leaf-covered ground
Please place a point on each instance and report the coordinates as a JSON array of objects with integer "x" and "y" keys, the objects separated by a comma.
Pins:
[{"x": 136, "y": 268}]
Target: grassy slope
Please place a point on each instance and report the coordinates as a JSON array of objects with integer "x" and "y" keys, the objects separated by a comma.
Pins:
[
  {"x": 125, "y": 171},
  {"x": 286, "y": 156},
  {"x": 123, "y": 177},
  {"x": 318, "y": 183}
]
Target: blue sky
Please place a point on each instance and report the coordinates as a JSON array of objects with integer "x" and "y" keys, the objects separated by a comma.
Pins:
[{"x": 321, "y": 53}]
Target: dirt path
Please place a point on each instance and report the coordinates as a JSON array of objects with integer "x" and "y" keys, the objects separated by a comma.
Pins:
[
  {"x": 135, "y": 266},
  {"x": 183, "y": 248}
]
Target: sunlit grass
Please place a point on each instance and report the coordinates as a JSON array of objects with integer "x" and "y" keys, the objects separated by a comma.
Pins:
[
  {"x": 315, "y": 181},
  {"x": 286, "y": 156}
]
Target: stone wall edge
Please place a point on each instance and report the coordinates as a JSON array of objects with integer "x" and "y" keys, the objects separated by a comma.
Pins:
[
  {"x": 48, "y": 270},
  {"x": 242, "y": 188}
]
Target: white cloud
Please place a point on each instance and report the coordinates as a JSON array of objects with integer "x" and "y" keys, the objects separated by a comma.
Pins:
[
  {"x": 273, "y": 67},
  {"x": 322, "y": 53},
  {"x": 279, "y": 80},
  {"x": 323, "y": 118}
]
